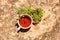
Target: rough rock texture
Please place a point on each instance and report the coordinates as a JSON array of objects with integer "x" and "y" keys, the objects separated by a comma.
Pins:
[{"x": 8, "y": 30}]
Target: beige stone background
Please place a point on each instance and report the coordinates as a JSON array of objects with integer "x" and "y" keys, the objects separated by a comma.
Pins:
[{"x": 8, "y": 30}]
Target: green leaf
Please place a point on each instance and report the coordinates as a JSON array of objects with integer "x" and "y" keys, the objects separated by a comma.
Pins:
[
  {"x": 30, "y": 8},
  {"x": 40, "y": 11},
  {"x": 21, "y": 10},
  {"x": 35, "y": 16}
]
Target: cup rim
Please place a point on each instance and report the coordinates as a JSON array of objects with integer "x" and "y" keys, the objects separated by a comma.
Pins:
[{"x": 29, "y": 25}]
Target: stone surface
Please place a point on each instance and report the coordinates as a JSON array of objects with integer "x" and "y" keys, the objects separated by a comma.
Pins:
[{"x": 8, "y": 30}]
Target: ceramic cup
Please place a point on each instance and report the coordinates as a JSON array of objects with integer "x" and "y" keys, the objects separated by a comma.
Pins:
[{"x": 27, "y": 26}]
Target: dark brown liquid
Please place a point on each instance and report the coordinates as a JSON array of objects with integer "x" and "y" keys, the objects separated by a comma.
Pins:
[{"x": 25, "y": 21}]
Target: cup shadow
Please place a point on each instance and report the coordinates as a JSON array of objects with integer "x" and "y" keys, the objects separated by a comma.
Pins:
[{"x": 22, "y": 30}]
